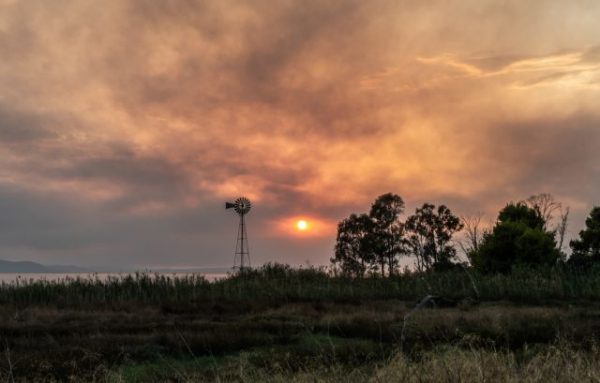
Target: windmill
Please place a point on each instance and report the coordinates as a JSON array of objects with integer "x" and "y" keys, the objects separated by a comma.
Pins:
[{"x": 241, "y": 206}]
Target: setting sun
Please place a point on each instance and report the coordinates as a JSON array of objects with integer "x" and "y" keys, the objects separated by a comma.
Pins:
[{"x": 302, "y": 225}]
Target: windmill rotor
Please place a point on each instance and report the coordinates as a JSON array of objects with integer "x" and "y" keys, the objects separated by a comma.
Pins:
[{"x": 241, "y": 205}]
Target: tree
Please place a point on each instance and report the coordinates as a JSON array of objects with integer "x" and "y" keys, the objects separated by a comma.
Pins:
[
  {"x": 352, "y": 248},
  {"x": 518, "y": 237},
  {"x": 520, "y": 212},
  {"x": 561, "y": 230},
  {"x": 366, "y": 242},
  {"x": 473, "y": 234},
  {"x": 429, "y": 234},
  {"x": 586, "y": 249},
  {"x": 387, "y": 231},
  {"x": 545, "y": 205}
]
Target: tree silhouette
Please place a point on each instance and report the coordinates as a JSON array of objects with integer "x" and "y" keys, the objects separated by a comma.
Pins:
[
  {"x": 518, "y": 237},
  {"x": 374, "y": 241},
  {"x": 352, "y": 249},
  {"x": 561, "y": 230},
  {"x": 545, "y": 205},
  {"x": 586, "y": 249},
  {"x": 429, "y": 235},
  {"x": 520, "y": 212},
  {"x": 473, "y": 234},
  {"x": 387, "y": 231}
]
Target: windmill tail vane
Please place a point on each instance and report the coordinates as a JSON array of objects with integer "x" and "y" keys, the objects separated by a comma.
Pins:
[{"x": 241, "y": 258}]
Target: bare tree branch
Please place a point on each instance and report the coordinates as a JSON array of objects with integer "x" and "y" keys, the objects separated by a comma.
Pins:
[
  {"x": 472, "y": 233},
  {"x": 561, "y": 228},
  {"x": 545, "y": 205}
]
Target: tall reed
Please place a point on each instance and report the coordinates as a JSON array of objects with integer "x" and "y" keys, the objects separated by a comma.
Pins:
[{"x": 275, "y": 283}]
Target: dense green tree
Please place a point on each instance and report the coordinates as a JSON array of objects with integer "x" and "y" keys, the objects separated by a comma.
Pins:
[
  {"x": 429, "y": 234},
  {"x": 586, "y": 249},
  {"x": 517, "y": 238},
  {"x": 520, "y": 212}
]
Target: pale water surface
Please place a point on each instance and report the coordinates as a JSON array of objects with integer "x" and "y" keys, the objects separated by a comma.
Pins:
[{"x": 14, "y": 277}]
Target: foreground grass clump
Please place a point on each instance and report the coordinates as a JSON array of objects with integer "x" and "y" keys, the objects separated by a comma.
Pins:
[
  {"x": 554, "y": 363},
  {"x": 283, "y": 284},
  {"x": 451, "y": 364}
]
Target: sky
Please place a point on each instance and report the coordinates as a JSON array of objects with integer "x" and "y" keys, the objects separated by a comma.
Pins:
[{"x": 126, "y": 124}]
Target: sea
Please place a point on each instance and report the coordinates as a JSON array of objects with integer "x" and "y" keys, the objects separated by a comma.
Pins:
[{"x": 22, "y": 277}]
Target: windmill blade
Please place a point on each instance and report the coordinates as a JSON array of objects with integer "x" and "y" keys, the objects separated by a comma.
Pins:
[{"x": 242, "y": 205}]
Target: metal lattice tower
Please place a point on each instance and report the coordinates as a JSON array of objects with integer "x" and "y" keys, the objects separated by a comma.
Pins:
[{"x": 241, "y": 258}]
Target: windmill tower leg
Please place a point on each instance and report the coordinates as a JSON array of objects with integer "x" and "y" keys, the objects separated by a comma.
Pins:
[
  {"x": 242, "y": 239},
  {"x": 246, "y": 253},
  {"x": 242, "y": 253}
]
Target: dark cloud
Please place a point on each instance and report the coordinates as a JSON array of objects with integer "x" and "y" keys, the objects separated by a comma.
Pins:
[
  {"x": 18, "y": 127},
  {"x": 123, "y": 128},
  {"x": 553, "y": 154}
]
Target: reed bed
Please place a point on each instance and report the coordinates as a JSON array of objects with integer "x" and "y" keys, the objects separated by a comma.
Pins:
[{"x": 275, "y": 283}]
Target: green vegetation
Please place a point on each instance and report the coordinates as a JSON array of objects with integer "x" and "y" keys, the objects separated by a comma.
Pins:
[
  {"x": 429, "y": 235},
  {"x": 368, "y": 243},
  {"x": 518, "y": 313},
  {"x": 525, "y": 234},
  {"x": 278, "y": 323},
  {"x": 586, "y": 249},
  {"x": 280, "y": 284},
  {"x": 518, "y": 238}
]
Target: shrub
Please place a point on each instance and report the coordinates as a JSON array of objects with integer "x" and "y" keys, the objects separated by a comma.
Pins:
[{"x": 518, "y": 238}]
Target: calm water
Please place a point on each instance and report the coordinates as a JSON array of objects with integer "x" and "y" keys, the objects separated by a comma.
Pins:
[{"x": 12, "y": 277}]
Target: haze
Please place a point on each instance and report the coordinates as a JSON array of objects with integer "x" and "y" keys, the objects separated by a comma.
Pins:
[{"x": 126, "y": 125}]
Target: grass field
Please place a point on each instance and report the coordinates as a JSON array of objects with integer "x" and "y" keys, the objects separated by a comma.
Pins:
[{"x": 280, "y": 324}]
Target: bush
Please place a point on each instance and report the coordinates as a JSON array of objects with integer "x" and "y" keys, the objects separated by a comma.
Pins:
[
  {"x": 586, "y": 249},
  {"x": 517, "y": 239}
]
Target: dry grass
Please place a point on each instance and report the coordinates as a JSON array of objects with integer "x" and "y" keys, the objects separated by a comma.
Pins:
[
  {"x": 551, "y": 364},
  {"x": 561, "y": 363},
  {"x": 281, "y": 324},
  {"x": 295, "y": 338}
]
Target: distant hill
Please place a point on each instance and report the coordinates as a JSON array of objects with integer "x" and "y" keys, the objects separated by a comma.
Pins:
[{"x": 32, "y": 267}]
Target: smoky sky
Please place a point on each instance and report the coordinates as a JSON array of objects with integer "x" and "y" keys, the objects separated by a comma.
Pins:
[{"x": 125, "y": 125}]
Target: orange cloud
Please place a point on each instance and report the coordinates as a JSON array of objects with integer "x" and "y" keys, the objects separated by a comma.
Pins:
[{"x": 164, "y": 110}]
